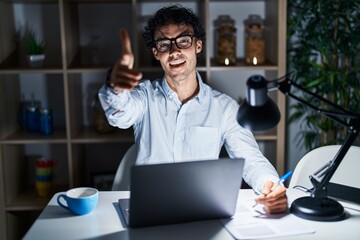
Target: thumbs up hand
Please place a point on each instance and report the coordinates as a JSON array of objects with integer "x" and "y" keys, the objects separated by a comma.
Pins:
[{"x": 122, "y": 76}]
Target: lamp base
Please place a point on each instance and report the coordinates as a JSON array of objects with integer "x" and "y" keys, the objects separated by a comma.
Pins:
[{"x": 324, "y": 209}]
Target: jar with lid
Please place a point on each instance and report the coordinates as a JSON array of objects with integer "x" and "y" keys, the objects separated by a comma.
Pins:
[
  {"x": 225, "y": 40},
  {"x": 254, "y": 40}
]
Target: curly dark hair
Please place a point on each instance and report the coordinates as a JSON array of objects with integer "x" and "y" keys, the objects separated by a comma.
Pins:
[{"x": 175, "y": 14}]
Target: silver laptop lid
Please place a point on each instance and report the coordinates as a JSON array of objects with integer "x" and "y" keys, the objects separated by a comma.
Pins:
[{"x": 185, "y": 191}]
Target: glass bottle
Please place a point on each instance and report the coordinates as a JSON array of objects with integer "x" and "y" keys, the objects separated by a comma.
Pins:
[
  {"x": 32, "y": 118},
  {"x": 46, "y": 121},
  {"x": 254, "y": 40},
  {"x": 226, "y": 40},
  {"x": 32, "y": 115}
]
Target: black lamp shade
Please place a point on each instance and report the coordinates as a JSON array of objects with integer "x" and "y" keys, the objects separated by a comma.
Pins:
[
  {"x": 258, "y": 118},
  {"x": 258, "y": 112}
]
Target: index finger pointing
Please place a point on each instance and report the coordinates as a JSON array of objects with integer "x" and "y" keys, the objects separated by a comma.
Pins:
[{"x": 125, "y": 42}]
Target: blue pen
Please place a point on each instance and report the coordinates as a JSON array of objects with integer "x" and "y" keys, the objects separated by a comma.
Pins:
[{"x": 281, "y": 181}]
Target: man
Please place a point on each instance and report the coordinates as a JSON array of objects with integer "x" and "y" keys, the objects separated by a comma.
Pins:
[{"x": 179, "y": 118}]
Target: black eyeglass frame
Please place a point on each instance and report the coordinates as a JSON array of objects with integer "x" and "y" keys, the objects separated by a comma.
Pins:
[{"x": 174, "y": 40}]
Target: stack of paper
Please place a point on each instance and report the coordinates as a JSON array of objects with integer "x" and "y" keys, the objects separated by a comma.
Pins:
[{"x": 254, "y": 223}]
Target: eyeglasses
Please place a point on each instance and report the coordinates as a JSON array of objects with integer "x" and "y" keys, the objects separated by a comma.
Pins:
[{"x": 182, "y": 42}]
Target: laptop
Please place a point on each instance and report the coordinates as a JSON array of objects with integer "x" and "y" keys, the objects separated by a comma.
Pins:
[{"x": 181, "y": 192}]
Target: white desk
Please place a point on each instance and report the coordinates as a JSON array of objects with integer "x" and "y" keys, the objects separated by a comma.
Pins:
[{"x": 105, "y": 223}]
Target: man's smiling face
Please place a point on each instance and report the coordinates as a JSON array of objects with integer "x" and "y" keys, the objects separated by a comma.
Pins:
[{"x": 178, "y": 64}]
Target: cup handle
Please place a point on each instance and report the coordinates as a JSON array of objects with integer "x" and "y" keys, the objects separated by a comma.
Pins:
[{"x": 59, "y": 202}]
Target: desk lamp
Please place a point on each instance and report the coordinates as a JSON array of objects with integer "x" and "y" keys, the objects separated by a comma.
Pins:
[{"x": 260, "y": 113}]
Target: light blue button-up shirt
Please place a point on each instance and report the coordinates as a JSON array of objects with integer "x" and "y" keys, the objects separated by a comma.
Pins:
[{"x": 168, "y": 131}]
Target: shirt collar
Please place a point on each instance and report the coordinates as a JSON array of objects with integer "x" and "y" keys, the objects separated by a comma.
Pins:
[{"x": 169, "y": 92}]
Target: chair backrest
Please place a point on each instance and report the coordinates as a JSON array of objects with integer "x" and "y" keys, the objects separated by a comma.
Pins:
[
  {"x": 346, "y": 174},
  {"x": 122, "y": 176}
]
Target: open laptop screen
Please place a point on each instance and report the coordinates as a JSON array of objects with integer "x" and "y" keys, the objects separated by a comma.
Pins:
[{"x": 186, "y": 191}]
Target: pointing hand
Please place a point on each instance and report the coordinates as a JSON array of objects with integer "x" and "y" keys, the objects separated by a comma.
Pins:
[{"x": 122, "y": 76}]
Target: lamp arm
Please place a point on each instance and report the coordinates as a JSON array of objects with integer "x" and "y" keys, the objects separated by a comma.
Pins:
[
  {"x": 331, "y": 114},
  {"x": 320, "y": 179},
  {"x": 320, "y": 187},
  {"x": 285, "y": 88}
]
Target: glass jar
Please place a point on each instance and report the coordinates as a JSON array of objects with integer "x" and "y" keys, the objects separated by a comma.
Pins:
[
  {"x": 226, "y": 40},
  {"x": 32, "y": 118},
  {"x": 46, "y": 121},
  {"x": 254, "y": 40}
]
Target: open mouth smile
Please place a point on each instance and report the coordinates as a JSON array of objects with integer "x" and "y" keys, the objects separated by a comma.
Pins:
[{"x": 176, "y": 64}]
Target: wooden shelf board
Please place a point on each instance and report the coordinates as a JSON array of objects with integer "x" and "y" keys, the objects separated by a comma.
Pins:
[
  {"x": 97, "y": 1},
  {"x": 240, "y": 64},
  {"x": 266, "y": 135},
  {"x": 27, "y": 203},
  {"x": 89, "y": 135},
  {"x": 89, "y": 69},
  {"x": 33, "y": 1},
  {"x": 28, "y": 200},
  {"x": 23, "y": 137},
  {"x": 19, "y": 70},
  {"x": 14, "y": 65}
]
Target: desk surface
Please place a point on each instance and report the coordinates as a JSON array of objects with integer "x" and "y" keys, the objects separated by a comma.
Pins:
[{"x": 105, "y": 223}]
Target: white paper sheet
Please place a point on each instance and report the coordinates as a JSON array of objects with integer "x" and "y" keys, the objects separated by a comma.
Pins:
[{"x": 254, "y": 223}]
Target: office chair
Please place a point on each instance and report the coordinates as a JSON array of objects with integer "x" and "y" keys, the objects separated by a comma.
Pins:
[
  {"x": 346, "y": 174},
  {"x": 122, "y": 176}
]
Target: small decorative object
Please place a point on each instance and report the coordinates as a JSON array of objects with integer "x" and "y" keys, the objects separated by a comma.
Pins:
[
  {"x": 34, "y": 47},
  {"x": 254, "y": 40},
  {"x": 44, "y": 169},
  {"x": 226, "y": 40},
  {"x": 46, "y": 121},
  {"x": 32, "y": 118},
  {"x": 31, "y": 115}
]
